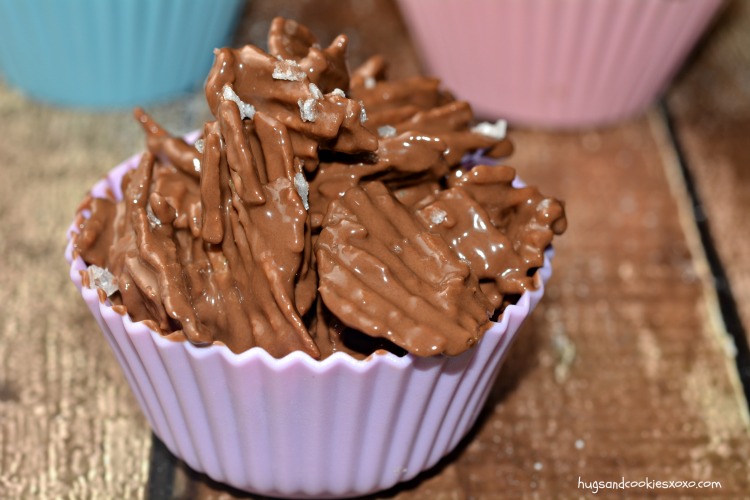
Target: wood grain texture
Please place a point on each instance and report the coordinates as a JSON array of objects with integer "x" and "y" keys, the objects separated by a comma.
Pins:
[
  {"x": 621, "y": 372},
  {"x": 68, "y": 423},
  {"x": 69, "y": 426},
  {"x": 711, "y": 107}
]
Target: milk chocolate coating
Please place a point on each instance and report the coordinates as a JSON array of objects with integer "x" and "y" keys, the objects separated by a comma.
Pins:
[
  {"x": 388, "y": 276},
  {"x": 311, "y": 179}
]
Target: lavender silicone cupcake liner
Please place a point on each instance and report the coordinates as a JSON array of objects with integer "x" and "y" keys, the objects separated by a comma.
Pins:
[
  {"x": 557, "y": 63},
  {"x": 295, "y": 426}
]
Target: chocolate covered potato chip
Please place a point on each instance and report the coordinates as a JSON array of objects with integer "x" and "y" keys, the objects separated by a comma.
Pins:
[
  {"x": 383, "y": 273},
  {"x": 308, "y": 169}
]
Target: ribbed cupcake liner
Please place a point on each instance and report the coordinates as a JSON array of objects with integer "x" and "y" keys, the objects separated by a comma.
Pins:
[
  {"x": 295, "y": 426},
  {"x": 557, "y": 63},
  {"x": 109, "y": 53}
]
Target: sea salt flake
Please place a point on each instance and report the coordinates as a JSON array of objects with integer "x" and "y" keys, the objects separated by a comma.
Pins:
[
  {"x": 386, "y": 131},
  {"x": 307, "y": 107},
  {"x": 362, "y": 113},
  {"x": 338, "y": 92},
  {"x": 307, "y": 110},
  {"x": 199, "y": 145},
  {"x": 437, "y": 216},
  {"x": 303, "y": 188},
  {"x": 288, "y": 69},
  {"x": 196, "y": 164},
  {"x": 315, "y": 91},
  {"x": 153, "y": 220},
  {"x": 101, "y": 278},
  {"x": 495, "y": 130},
  {"x": 246, "y": 110}
]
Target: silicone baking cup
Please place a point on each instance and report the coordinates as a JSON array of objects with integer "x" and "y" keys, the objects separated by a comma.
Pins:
[
  {"x": 295, "y": 426},
  {"x": 111, "y": 53},
  {"x": 557, "y": 63}
]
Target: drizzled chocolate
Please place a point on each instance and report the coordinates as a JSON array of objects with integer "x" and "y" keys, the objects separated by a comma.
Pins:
[{"x": 320, "y": 209}]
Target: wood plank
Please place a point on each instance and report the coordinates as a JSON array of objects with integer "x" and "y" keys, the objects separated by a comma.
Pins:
[
  {"x": 622, "y": 371},
  {"x": 68, "y": 423},
  {"x": 652, "y": 390},
  {"x": 69, "y": 426},
  {"x": 710, "y": 104}
]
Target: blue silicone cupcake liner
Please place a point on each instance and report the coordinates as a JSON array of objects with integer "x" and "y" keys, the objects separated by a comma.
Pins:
[{"x": 110, "y": 53}]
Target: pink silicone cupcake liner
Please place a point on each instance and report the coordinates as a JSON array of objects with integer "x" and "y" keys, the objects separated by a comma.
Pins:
[
  {"x": 556, "y": 63},
  {"x": 297, "y": 427}
]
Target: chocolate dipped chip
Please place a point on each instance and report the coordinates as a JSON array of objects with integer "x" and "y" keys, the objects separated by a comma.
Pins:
[
  {"x": 296, "y": 91},
  {"x": 307, "y": 168},
  {"x": 521, "y": 220},
  {"x": 384, "y": 274}
]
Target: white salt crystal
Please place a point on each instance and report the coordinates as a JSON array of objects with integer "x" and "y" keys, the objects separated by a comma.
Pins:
[
  {"x": 303, "y": 188},
  {"x": 315, "y": 91},
  {"x": 307, "y": 109},
  {"x": 362, "y": 113},
  {"x": 437, "y": 216},
  {"x": 338, "y": 92},
  {"x": 495, "y": 130},
  {"x": 101, "y": 278},
  {"x": 287, "y": 69},
  {"x": 386, "y": 131},
  {"x": 196, "y": 164},
  {"x": 246, "y": 110},
  {"x": 153, "y": 220},
  {"x": 199, "y": 145},
  {"x": 370, "y": 82}
]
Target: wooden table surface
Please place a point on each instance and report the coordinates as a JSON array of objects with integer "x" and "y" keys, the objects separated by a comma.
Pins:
[{"x": 632, "y": 366}]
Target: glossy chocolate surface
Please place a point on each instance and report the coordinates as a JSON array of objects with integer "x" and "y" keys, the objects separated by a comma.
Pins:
[{"x": 318, "y": 206}]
